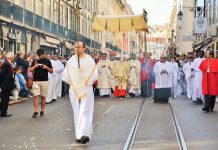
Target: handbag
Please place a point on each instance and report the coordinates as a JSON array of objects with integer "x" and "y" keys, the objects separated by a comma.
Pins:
[{"x": 29, "y": 83}]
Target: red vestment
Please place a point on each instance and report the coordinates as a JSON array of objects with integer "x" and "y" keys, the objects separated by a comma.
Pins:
[{"x": 210, "y": 79}]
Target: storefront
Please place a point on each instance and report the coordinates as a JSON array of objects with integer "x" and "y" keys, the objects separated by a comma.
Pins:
[
  {"x": 23, "y": 44},
  {"x": 50, "y": 45},
  {"x": 10, "y": 45}
]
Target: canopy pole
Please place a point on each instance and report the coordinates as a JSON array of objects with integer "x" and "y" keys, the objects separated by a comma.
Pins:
[{"x": 145, "y": 43}]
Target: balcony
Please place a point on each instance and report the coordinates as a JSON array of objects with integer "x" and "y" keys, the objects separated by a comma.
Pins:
[
  {"x": 47, "y": 25},
  {"x": 5, "y": 8},
  {"x": 28, "y": 17},
  {"x": 17, "y": 12},
  {"x": 38, "y": 22}
]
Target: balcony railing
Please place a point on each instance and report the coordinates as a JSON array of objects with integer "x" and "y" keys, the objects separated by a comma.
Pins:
[{"x": 27, "y": 17}]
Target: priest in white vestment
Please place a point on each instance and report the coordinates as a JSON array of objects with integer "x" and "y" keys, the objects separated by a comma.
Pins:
[
  {"x": 175, "y": 70},
  {"x": 197, "y": 81},
  {"x": 188, "y": 69},
  {"x": 81, "y": 77},
  {"x": 104, "y": 76},
  {"x": 54, "y": 82},
  {"x": 163, "y": 72},
  {"x": 134, "y": 78}
]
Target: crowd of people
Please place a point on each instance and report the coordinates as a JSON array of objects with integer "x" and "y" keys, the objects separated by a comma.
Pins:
[{"x": 49, "y": 76}]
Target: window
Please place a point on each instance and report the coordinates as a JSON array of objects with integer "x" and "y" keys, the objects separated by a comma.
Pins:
[
  {"x": 55, "y": 11},
  {"x": 41, "y": 7},
  {"x": 214, "y": 11},
  {"x": 66, "y": 17},
  {"x": 49, "y": 9},
  {"x": 61, "y": 15},
  {"x": 71, "y": 19}
]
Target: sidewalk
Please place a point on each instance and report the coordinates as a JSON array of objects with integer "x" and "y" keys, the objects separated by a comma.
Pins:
[{"x": 18, "y": 101}]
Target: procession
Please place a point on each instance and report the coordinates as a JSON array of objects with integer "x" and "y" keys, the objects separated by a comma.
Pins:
[{"x": 75, "y": 78}]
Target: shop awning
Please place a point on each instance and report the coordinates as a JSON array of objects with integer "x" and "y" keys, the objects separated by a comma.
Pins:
[
  {"x": 43, "y": 42},
  {"x": 204, "y": 45},
  {"x": 69, "y": 45},
  {"x": 52, "y": 40},
  {"x": 120, "y": 23}
]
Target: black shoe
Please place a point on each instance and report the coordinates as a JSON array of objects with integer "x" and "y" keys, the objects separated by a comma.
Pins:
[
  {"x": 211, "y": 109},
  {"x": 42, "y": 114},
  {"x": 78, "y": 141},
  {"x": 84, "y": 139},
  {"x": 54, "y": 100},
  {"x": 35, "y": 114},
  {"x": 132, "y": 94},
  {"x": 6, "y": 115},
  {"x": 205, "y": 109}
]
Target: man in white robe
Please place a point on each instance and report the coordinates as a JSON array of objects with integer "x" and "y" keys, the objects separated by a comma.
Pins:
[
  {"x": 197, "y": 81},
  {"x": 104, "y": 76},
  {"x": 163, "y": 84},
  {"x": 175, "y": 70},
  {"x": 54, "y": 85},
  {"x": 81, "y": 77},
  {"x": 134, "y": 78},
  {"x": 188, "y": 69}
]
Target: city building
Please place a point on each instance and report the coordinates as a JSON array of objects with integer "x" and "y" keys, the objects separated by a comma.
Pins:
[
  {"x": 208, "y": 39},
  {"x": 50, "y": 24},
  {"x": 156, "y": 40}
]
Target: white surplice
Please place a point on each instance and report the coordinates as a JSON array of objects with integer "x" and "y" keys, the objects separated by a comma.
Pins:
[
  {"x": 54, "y": 80},
  {"x": 81, "y": 92},
  {"x": 175, "y": 69},
  {"x": 162, "y": 80},
  {"x": 187, "y": 69},
  {"x": 134, "y": 78},
  {"x": 197, "y": 81}
]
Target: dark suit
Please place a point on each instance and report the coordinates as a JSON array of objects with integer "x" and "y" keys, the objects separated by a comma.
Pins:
[{"x": 7, "y": 85}]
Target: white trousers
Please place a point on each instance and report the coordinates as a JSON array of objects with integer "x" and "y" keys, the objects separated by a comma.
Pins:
[
  {"x": 83, "y": 113},
  {"x": 189, "y": 82},
  {"x": 59, "y": 85},
  {"x": 52, "y": 88},
  {"x": 15, "y": 94},
  {"x": 197, "y": 86},
  {"x": 174, "y": 86},
  {"x": 105, "y": 91}
]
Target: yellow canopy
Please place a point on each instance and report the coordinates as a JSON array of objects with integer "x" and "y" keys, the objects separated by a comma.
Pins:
[{"x": 120, "y": 23}]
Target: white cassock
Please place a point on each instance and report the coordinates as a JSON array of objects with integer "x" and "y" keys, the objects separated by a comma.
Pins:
[
  {"x": 50, "y": 84},
  {"x": 103, "y": 77},
  {"x": 59, "y": 80},
  {"x": 81, "y": 92},
  {"x": 112, "y": 78},
  {"x": 187, "y": 69},
  {"x": 197, "y": 81},
  {"x": 162, "y": 80},
  {"x": 54, "y": 80},
  {"x": 175, "y": 69},
  {"x": 134, "y": 78}
]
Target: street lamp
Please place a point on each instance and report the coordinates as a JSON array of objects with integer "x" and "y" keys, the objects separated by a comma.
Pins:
[{"x": 180, "y": 15}]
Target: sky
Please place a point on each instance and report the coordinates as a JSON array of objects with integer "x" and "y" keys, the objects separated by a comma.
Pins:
[{"x": 158, "y": 10}]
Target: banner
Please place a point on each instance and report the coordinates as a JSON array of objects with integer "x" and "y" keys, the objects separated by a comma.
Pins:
[{"x": 200, "y": 25}]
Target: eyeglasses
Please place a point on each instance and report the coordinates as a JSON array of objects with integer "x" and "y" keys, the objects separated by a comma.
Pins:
[{"x": 79, "y": 47}]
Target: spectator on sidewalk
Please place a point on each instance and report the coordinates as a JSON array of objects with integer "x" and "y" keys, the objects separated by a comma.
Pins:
[
  {"x": 7, "y": 83},
  {"x": 40, "y": 67},
  {"x": 24, "y": 92},
  {"x": 15, "y": 93},
  {"x": 21, "y": 62}
]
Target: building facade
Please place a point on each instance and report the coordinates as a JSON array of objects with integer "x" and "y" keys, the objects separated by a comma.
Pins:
[
  {"x": 156, "y": 40},
  {"x": 50, "y": 24},
  {"x": 209, "y": 39}
]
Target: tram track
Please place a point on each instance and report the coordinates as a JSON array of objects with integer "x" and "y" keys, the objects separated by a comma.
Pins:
[{"x": 178, "y": 132}]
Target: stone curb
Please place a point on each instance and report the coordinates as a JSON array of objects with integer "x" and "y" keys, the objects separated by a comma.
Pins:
[{"x": 18, "y": 101}]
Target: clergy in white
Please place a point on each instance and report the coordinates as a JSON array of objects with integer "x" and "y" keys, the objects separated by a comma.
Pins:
[
  {"x": 188, "y": 69},
  {"x": 163, "y": 80},
  {"x": 134, "y": 78},
  {"x": 175, "y": 69},
  {"x": 81, "y": 77},
  {"x": 54, "y": 79},
  {"x": 197, "y": 81},
  {"x": 104, "y": 76}
]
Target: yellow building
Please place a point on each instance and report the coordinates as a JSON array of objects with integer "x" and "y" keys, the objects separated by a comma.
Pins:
[{"x": 50, "y": 24}]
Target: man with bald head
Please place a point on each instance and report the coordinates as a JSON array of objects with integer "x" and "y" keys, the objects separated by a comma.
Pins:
[
  {"x": 163, "y": 71},
  {"x": 81, "y": 72}
]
